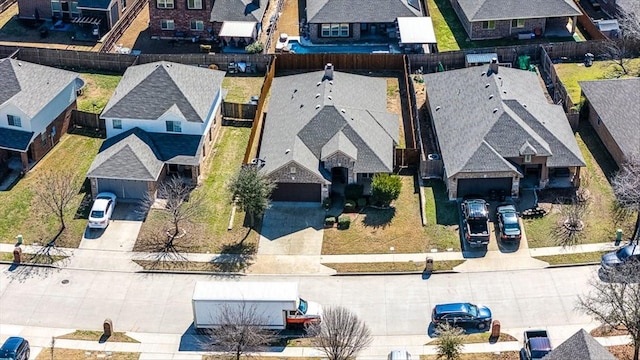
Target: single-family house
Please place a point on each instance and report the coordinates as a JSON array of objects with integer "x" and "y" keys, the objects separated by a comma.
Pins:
[
  {"x": 36, "y": 103},
  {"x": 495, "y": 19},
  {"x": 97, "y": 15},
  {"x": 325, "y": 128},
  {"x": 160, "y": 122},
  {"x": 582, "y": 346},
  {"x": 496, "y": 131},
  {"x": 612, "y": 108},
  {"x": 334, "y": 21}
]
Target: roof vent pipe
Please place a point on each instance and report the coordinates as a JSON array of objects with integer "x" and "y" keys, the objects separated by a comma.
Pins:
[
  {"x": 493, "y": 66},
  {"x": 328, "y": 71}
]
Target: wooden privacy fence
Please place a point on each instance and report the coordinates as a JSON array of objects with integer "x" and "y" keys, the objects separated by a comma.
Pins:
[
  {"x": 340, "y": 62},
  {"x": 87, "y": 120},
  {"x": 4, "y": 5},
  {"x": 121, "y": 26},
  {"x": 407, "y": 158},
  {"x": 258, "y": 123},
  {"x": 239, "y": 111}
]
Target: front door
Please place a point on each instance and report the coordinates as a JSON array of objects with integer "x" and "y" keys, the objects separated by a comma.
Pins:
[{"x": 66, "y": 11}]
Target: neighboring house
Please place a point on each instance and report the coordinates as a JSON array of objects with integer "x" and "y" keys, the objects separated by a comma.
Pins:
[
  {"x": 496, "y": 19},
  {"x": 231, "y": 20},
  {"x": 323, "y": 128},
  {"x": 332, "y": 21},
  {"x": 581, "y": 346},
  {"x": 612, "y": 108},
  {"x": 102, "y": 14},
  {"x": 35, "y": 110},
  {"x": 160, "y": 122},
  {"x": 496, "y": 131},
  {"x": 615, "y": 8}
]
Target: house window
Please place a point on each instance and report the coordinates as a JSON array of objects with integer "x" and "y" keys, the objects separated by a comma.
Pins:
[
  {"x": 517, "y": 23},
  {"x": 117, "y": 124},
  {"x": 174, "y": 126},
  {"x": 488, "y": 25},
  {"x": 167, "y": 25},
  {"x": 292, "y": 170},
  {"x": 527, "y": 158},
  {"x": 53, "y": 131},
  {"x": 194, "y": 4},
  {"x": 334, "y": 30},
  {"x": 56, "y": 8},
  {"x": 14, "y": 120},
  {"x": 164, "y": 4},
  {"x": 43, "y": 138},
  {"x": 599, "y": 120},
  {"x": 197, "y": 25}
]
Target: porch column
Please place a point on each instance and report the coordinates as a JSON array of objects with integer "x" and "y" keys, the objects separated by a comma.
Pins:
[
  {"x": 574, "y": 23},
  {"x": 576, "y": 178},
  {"x": 25, "y": 161}
]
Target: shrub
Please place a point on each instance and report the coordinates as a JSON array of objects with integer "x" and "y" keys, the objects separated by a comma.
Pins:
[
  {"x": 344, "y": 221},
  {"x": 362, "y": 202},
  {"x": 353, "y": 191},
  {"x": 254, "y": 48},
  {"x": 329, "y": 221},
  {"x": 350, "y": 206},
  {"x": 385, "y": 188}
]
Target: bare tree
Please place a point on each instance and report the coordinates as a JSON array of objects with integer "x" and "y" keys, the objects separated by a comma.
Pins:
[
  {"x": 181, "y": 204},
  {"x": 616, "y": 301},
  {"x": 620, "y": 50},
  {"x": 251, "y": 190},
  {"x": 450, "y": 342},
  {"x": 569, "y": 231},
  {"x": 239, "y": 331},
  {"x": 54, "y": 193},
  {"x": 341, "y": 335},
  {"x": 626, "y": 187}
]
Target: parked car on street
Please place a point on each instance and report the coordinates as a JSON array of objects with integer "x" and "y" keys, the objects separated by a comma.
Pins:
[
  {"x": 629, "y": 254},
  {"x": 15, "y": 348},
  {"x": 462, "y": 314},
  {"x": 102, "y": 210},
  {"x": 508, "y": 222}
]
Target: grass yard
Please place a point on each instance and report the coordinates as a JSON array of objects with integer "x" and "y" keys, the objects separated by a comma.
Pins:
[
  {"x": 97, "y": 91},
  {"x": 408, "y": 266},
  {"x": 507, "y": 355},
  {"x": 75, "y": 354},
  {"x": 240, "y": 87},
  {"x": 602, "y": 219},
  {"x": 208, "y": 231},
  {"x": 478, "y": 338},
  {"x": 91, "y": 335},
  {"x": 376, "y": 231},
  {"x": 19, "y": 211},
  {"x": 571, "y": 73},
  {"x": 579, "y": 258},
  {"x": 442, "y": 217}
]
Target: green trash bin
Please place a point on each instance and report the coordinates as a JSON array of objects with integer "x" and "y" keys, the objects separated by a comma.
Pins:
[
  {"x": 619, "y": 235},
  {"x": 523, "y": 62}
]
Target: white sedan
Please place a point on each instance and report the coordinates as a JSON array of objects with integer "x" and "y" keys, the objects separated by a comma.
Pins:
[{"x": 102, "y": 210}]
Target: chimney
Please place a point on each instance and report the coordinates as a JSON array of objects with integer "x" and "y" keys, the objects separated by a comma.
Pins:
[
  {"x": 328, "y": 71},
  {"x": 493, "y": 66}
]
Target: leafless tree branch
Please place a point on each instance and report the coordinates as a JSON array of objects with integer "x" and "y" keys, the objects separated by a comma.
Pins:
[
  {"x": 54, "y": 192},
  {"x": 626, "y": 187},
  {"x": 341, "y": 335}
]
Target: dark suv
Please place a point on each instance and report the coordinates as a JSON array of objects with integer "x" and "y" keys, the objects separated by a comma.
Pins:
[
  {"x": 462, "y": 314},
  {"x": 15, "y": 348}
]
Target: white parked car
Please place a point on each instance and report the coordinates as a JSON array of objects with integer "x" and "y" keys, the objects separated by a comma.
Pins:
[{"x": 102, "y": 210}]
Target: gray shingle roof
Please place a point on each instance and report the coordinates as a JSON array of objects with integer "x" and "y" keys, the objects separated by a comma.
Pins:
[
  {"x": 581, "y": 346},
  {"x": 359, "y": 11},
  {"x": 310, "y": 117},
  {"x": 472, "y": 110},
  {"x": 482, "y": 10},
  {"x": 139, "y": 155},
  {"x": 616, "y": 102},
  {"x": 12, "y": 139},
  {"x": 148, "y": 91},
  {"x": 31, "y": 87},
  {"x": 238, "y": 10},
  {"x": 94, "y": 4}
]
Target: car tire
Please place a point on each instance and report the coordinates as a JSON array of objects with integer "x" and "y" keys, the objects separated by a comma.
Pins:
[{"x": 482, "y": 326}]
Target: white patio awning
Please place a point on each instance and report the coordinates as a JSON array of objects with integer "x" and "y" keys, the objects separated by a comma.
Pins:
[
  {"x": 416, "y": 30},
  {"x": 245, "y": 29}
]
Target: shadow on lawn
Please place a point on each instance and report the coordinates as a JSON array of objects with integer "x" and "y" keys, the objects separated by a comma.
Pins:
[
  {"x": 378, "y": 218},
  {"x": 446, "y": 211},
  {"x": 597, "y": 149}
]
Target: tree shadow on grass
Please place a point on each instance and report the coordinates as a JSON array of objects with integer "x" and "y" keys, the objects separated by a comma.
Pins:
[
  {"x": 235, "y": 257},
  {"x": 84, "y": 208},
  {"x": 378, "y": 217},
  {"x": 597, "y": 149}
]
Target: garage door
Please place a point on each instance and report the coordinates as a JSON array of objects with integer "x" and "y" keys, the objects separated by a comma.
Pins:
[
  {"x": 483, "y": 186},
  {"x": 124, "y": 189},
  {"x": 296, "y": 192}
]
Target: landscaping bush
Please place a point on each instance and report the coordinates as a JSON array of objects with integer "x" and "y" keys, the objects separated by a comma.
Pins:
[
  {"x": 350, "y": 206},
  {"x": 362, "y": 202},
  {"x": 353, "y": 191},
  {"x": 344, "y": 222},
  {"x": 385, "y": 188},
  {"x": 329, "y": 221},
  {"x": 255, "y": 48}
]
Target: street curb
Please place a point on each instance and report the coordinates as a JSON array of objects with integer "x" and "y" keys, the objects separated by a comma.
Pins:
[
  {"x": 558, "y": 266},
  {"x": 395, "y": 273},
  {"x": 29, "y": 264},
  {"x": 184, "y": 272}
]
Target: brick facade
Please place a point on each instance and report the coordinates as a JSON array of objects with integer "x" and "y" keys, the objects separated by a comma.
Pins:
[
  {"x": 181, "y": 16},
  {"x": 301, "y": 175},
  {"x": 503, "y": 29}
]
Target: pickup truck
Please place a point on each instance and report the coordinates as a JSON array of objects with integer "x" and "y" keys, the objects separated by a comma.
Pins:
[
  {"x": 536, "y": 344},
  {"x": 476, "y": 222}
]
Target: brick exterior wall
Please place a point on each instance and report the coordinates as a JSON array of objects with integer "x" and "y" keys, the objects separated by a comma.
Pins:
[
  {"x": 339, "y": 159},
  {"x": 39, "y": 148},
  {"x": 605, "y": 136},
  {"x": 181, "y": 16},
  {"x": 314, "y": 35},
  {"x": 503, "y": 29}
]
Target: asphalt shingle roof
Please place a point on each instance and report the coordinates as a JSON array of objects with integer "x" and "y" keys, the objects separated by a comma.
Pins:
[
  {"x": 148, "y": 91},
  {"x": 483, "y": 10},
  {"x": 31, "y": 87},
  {"x": 359, "y": 11},
  {"x": 616, "y": 102},
  {"x": 474, "y": 109},
  {"x": 311, "y": 117},
  {"x": 581, "y": 346},
  {"x": 94, "y": 4},
  {"x": 238, "y": 10},
  {"x": 12, "y": 139}
]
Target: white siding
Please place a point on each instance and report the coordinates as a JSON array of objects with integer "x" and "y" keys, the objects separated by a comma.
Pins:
[
  {"x": 55, "y": 107},
  {"x": 10, "y": 109}
]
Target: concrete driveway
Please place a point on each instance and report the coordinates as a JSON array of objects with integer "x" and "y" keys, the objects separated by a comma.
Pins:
[
  {"x": 120, "y": 235},
  {"x": 290, "y": 228}
]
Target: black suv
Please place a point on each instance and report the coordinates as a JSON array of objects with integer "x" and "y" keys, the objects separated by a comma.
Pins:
[{"x": 462, "y": 314}]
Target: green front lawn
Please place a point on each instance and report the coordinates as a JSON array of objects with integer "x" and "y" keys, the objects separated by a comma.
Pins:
[
  {"x": 377, "y": 231},
  {"x": 97, "y": 91},
  {"x": 408, "y": 266},
  {"x": 18, "y": 212},
  {"x": 571, "y": 73}
]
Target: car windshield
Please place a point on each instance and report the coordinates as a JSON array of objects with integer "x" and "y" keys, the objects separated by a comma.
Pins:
[
  {"x": 97, "y": 214},
  {"x": 538, "y": 354},
  {"x": 302, "y": 307},
  {"x": 511, "y": 226},
  {"x": 624, "y": 253},
  {"x": 472, "y": 310}
]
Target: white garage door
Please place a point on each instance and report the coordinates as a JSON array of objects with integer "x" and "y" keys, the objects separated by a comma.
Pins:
[{"x": 124, "y": 189}]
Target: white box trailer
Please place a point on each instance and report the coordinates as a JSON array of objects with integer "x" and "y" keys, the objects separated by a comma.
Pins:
[{"x": 276, "y": 304}]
